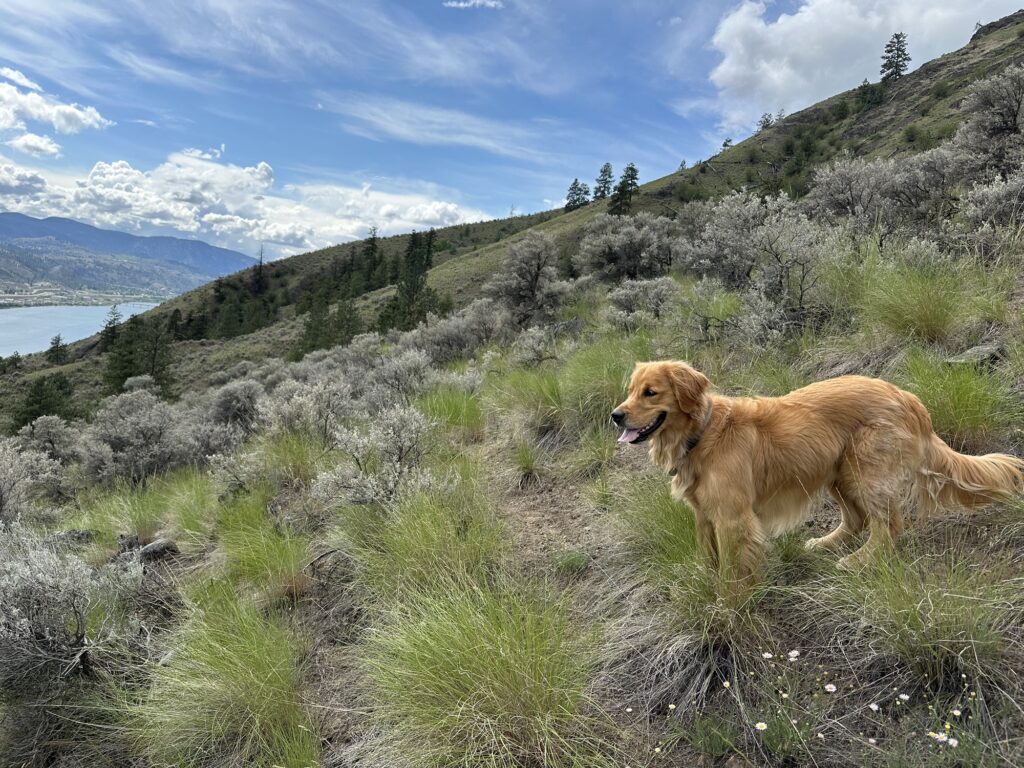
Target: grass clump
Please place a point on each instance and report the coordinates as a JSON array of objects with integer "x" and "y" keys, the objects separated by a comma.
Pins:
[
  {"x": 945, "y": 618},
  {"x": 425, "y": 543},
  {"x": 454, "y": 409},
  {"x": 191, "y": 500},
  {"x": 292, "y": 459},
  {"x": 474, "y": 677},
  {"x": 531, "y": 398},
  {"x": 593, "y": 379},
  {"x": 261, "y": 552},
  {"x": 971, "y": 408},
  {"x": 529, "y": 458},
  {"x": 229, "y": 693},
  {"x": 931, "y": 302}
]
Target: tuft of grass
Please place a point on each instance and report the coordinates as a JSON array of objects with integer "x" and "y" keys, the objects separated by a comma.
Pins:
[
  {"x": 571, "y": 564},
  {"x": 262, "y": 553},
  {"x": 426, "y": 543},
  {"x": 191, "y": 501},
  {"x": 929, "y": 303},
  {"x": 943, "y": 617},
  {"x": 529, "y": 458},
  {"x": 473, "y": 677},
  {"x": 594, "y": 378},
  {"x": 532, "y": 398},
  {"x": 971, "y": 408},
  {"x": 292, "y": 459},
  {"x": 594, "y": 453},
  {"x": 660, "y": 531},
  {"x": 124, "y": 509},
  {"x": 229, "y": 693},
  {"x": 455, "y": 410}
]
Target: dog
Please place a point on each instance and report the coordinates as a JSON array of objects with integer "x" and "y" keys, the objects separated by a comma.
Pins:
[{"x": 751, "y": 469}]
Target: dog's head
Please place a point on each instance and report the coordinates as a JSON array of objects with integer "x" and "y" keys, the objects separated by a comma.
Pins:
[{"x": 661, "y": 393}]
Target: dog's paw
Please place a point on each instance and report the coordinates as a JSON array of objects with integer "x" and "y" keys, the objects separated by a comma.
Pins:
[
  {"x": 812, "y": 544},
  {"x": 850, "y": 563}
]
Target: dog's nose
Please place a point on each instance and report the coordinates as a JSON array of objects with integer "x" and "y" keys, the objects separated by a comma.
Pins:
[{"x": 618, "y": 416}]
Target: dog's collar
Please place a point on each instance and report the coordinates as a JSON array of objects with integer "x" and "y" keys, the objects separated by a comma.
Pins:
[{"x": 692, "y": 440}]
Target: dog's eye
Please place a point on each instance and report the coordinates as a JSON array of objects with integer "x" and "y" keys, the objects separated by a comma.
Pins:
[{"x": 649, "y": 392}]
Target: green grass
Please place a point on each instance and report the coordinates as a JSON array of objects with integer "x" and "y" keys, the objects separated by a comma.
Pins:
[
  {"x": 426, "y": 543},
  {"x": 972, "y": 408},
  {"x": 454, "y": 410},
  {"x": 485, "y": 678},
  {"x": 932, "y": 303},
  {"x": 192, "y": 506},
  {"x": 292, "y": 459},
  {"x": 529, "y": 459},
  {"x": 944, "y": 617},
  {"x": 531, "y": 398},
  {"x": 261, "y": 553},
  {"x": 125, "y": 509},
  {"x": 593, "y": 454},
  {"x": 659, "y": 531},
  {"x": 229, "y": 693}
]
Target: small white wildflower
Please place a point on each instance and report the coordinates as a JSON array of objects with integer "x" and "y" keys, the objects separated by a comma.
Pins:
[
  {"x": 873, "y": 707},
  {"x": 767, "y": 655},
  {"x": 952, "y": 742},
  {"x": 904, "y": 697},
  {"x": 671, "y": 706},
  {"x": 872, "y": 741},
  {"x": 726, "y": 684},
  {"x": 793, "y": 655},
  {"x": 761, "y": 726},
  {"x": 829, "y": 688},
  {"x": 956, "y": 713},
  {"x": 629, "y": 709}
]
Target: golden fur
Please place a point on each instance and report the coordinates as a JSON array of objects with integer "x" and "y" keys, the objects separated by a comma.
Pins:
[{"x": 758, "y": 465}]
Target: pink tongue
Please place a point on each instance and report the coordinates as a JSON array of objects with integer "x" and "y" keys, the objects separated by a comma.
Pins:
[{"x": 629, "y": 435}]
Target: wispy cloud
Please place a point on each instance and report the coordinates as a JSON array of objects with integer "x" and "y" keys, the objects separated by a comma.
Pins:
[
  {"x": 17, "y": 107},
  {"x": 380, "y": 117},
  {"x": 473, "y": 4},
  {"x": 155, "y": 71},
  {"x": 18, "y": 78}
]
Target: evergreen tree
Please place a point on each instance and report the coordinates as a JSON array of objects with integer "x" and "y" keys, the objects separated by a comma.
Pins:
[
  {"x": 765, "y": 122},
  {"x": 578, "y": 196},
  {"x": 413, "y": 299},
  {"x": 603, "y": 187},
  {"x": 622, "y": 197},
  {"x": 142, "y": 348},
  {"x": 57, "y": 352},
  {"x": 45, "y": 396},
  {"x": 259, "y": 278},
  {"x": 109, "y": 333},
  {"x": 895, "y": 58}
]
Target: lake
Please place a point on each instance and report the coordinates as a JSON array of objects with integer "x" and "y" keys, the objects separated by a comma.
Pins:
[{"x": 29, "y": 329}]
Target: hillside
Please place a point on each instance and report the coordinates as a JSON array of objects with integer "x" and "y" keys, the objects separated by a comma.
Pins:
[
  {"x": 912, "y": 115},
  {"x": 56, "y": 260},
  {"x": 428, "y": 547}
]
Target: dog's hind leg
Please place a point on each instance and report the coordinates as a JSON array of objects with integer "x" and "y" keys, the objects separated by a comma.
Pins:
[{"x": 850, "y": 526}]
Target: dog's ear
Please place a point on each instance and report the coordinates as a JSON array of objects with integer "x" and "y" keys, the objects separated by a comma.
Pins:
[{"x": 688, "y": 385}]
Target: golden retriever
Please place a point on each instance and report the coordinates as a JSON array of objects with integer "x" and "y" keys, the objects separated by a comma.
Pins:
[{"x": 752, "y": 468}]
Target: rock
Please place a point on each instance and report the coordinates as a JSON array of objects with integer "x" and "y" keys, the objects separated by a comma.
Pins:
[
  {"x": 126, "y": 543},
  {"x": 158, "y": 549},
  {"x": 983, "y": 354}
]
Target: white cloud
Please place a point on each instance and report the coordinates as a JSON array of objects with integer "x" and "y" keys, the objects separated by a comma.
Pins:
[
  {"x": 35, "y": 145},
  {"x": 17, "y": 107},
  {"x": 154, "y": 71},
  {"x": 380, "y": 117},
  {"x": 197, "y": 194},
  {"x": 473, "y": 4},
  {"x": 827, "y": 46},
  {"x": 19, "y": 79}
]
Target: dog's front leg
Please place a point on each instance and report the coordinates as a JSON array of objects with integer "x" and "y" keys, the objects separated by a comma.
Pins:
[
  {"x": 706, "y": 536},
  {"x": 740, "y": 543}
]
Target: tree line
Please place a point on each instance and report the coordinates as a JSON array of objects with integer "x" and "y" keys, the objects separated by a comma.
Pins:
[{"x": 620, "y": 197}]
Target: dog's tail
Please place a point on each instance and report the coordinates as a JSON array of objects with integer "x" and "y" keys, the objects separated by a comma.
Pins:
[{"x": 949, "y": 479}]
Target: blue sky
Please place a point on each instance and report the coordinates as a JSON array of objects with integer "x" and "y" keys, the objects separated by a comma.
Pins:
[{"x": 300, "y": 124}]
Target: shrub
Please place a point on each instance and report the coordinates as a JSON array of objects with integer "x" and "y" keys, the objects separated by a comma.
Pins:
[
  {"x": 237, "y": 404},
  {"x": 384, "y": 459},
  {"x": 50, "y": 435},
  {"x": 621, "y": 247},
  {"x": 58, "y": 615},
  {"x": 462, "y": 334},
  {"x": 532, "y": 347},
  {"x": 993, "y": 128},
  {"x": 312, "y": 409},
  {"x": 527, "y": 281},
  {"x": 25, "y": 477},
  {"x": 230, "y": 692},
  {"x": 971, "y": 408},
  {"x": 480, "y": 677},
  {"x": 636, "y": 303}
]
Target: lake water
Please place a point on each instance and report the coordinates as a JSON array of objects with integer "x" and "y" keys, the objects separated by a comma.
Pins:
[{"x": 30, "y": 329}]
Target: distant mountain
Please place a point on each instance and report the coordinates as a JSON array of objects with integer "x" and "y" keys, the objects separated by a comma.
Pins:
[
  {"x": 199, "y": 257},
  {"x": 57, "y": 261}
]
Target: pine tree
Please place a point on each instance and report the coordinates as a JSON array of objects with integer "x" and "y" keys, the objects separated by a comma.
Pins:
[
  {"x": 603, "y": 187},
  {"x": 413, "y": 299},
  {"x": 58, "y": 351},
  {"x": 109, "y": 333},
  {"x": 142, "y": 348},
  {"x": 578, "y": 196},
  {"x": 628, "y": 185},
  {"x": 895, "y": 58},
  {"x": 45, "y": 396},
  {"x": 259, "y": 278}
]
